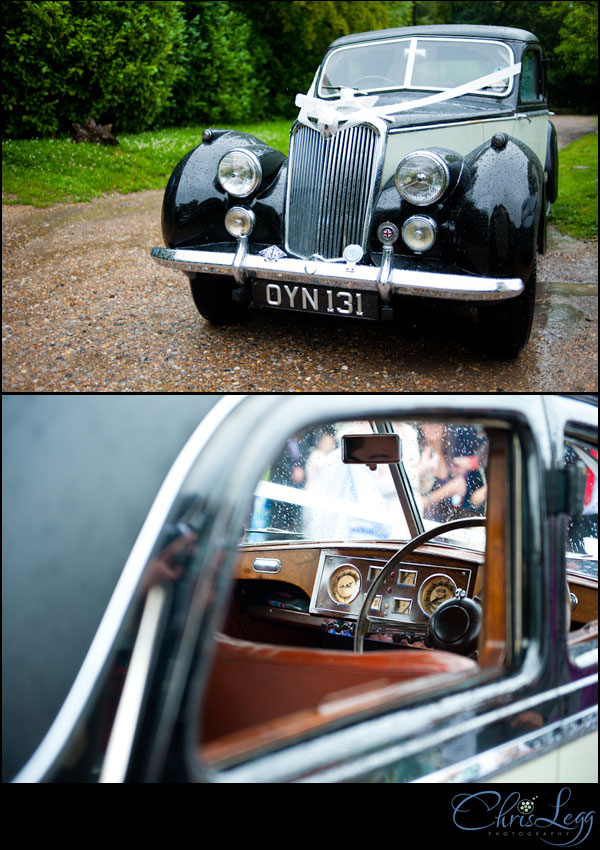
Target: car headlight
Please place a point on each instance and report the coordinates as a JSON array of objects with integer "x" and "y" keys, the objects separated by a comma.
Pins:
[
  {"x": 239, "y": 172},
  {"x": 422, "y": 177}
]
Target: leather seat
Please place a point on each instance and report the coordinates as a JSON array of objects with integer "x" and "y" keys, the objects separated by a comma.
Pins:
[{"x": 255, "y": 683}]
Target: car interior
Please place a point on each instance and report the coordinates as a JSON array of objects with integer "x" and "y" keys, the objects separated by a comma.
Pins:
[{"x": 306, "y": 645}]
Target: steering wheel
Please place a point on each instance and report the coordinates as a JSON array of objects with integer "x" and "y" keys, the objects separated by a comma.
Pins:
[
  {"x": 375, "y": 77},
  {"x": 397, "y": 559}
]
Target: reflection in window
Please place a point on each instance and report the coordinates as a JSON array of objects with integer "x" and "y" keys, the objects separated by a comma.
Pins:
[{"x": 530, "y": 77}]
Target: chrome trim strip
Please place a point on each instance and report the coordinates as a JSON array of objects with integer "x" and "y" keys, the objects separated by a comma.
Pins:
[
  {"x": 291, "y": 269},
  {"x": 518, "y": 751},
  {"x": 395, "y": 130},
  {"x": 387, "y": 758},
  {"x": 120, "y": 743},
  {"x": 82, "y": 691},
  {"x": 587, "y": 658}
]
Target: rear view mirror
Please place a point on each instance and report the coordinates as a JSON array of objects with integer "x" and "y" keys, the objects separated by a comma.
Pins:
[{"x": 371, "y": 449}]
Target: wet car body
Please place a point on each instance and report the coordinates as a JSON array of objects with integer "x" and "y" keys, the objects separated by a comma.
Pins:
[
  {"x": 335, "y": 230},
  {"x": 230, "y": 651}
]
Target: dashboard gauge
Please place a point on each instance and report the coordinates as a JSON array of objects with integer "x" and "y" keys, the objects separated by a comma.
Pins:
[
  {"x": 344, "y": 584},
  {"x": 435, "y": 590}
]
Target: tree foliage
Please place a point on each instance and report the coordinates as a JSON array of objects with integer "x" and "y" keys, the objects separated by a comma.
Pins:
[
  {"x": 219, "y": 79},
  {"x": 291, "y": 38},
  {"x": 63, "y": 61},
  {"x": 139, "y": 64}
]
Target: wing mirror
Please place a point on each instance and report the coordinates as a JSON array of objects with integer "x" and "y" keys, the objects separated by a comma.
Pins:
[{"x": 371, "y": 449}]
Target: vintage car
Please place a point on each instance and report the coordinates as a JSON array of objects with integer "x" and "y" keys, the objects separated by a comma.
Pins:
[
  {"x": 353, "y": 588},
  {"x": 422, "y": 164}
]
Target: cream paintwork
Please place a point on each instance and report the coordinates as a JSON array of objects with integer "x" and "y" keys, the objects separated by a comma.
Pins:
[
  {"x": 465, "y": 137},
  {"x": 574, "y": 762}
]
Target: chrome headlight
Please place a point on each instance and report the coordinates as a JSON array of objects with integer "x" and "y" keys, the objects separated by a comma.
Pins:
[
  {"x": 239, "y": 172},
  {"x": 422, "y": 177}
]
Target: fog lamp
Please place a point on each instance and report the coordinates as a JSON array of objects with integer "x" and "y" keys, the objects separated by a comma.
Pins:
[
  {"x": 239, "y": 221},
  {"x": 419, "y": 233}
]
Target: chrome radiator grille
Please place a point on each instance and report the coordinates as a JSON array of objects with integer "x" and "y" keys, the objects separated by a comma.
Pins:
[{"x": 331, "y": 184}]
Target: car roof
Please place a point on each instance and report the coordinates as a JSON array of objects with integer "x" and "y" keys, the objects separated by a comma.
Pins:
[{"x": 464, "y": 31}]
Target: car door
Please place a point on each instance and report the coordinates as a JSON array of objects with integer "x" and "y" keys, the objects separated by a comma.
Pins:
[{"x": 459, "y": 730}]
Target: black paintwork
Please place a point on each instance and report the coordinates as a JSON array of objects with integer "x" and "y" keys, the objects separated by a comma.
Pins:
[
  {"x": 498, "y": 219},
  {"x": 552, "y": 164},
  {"x": 195, "y": 204}
]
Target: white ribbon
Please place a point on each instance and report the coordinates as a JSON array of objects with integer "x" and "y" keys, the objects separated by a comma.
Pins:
[{"x": 352, "y": 110}]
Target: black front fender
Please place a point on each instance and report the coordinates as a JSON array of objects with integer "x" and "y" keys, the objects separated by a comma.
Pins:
[
  {"x": 497, "y": 223},
  {"x": 195, "y": 203}
]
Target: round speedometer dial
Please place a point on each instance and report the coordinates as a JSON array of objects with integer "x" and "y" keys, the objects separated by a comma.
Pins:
[
  {"x": 344, "y": 584},
  {"x": 435, "y": 590}
]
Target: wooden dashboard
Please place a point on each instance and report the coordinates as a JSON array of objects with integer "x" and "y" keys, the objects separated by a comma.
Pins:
[
  {"x": 297, "y": 575},
  {"x": 292, "y": 584}
]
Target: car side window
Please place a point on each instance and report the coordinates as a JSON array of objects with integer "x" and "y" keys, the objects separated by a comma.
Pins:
[
  {"x": 531, "y": 89},
  {"x": 581, "y": 557},
  {"x": 582, "y": 538}
]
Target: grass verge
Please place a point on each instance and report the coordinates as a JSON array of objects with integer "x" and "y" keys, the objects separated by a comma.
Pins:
[
  {"x": 42, "y": 172},
  {"x": 576, "y": 209}
]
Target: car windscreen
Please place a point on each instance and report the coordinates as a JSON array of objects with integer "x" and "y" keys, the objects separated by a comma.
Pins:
[
  {"x": 416, "y": 63},
  {"x": 308, "y": 493}
]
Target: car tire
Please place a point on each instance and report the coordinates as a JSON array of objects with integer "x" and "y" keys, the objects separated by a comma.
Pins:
[
  {"x": 505, "y": 328},
  {"x": 212, "y": 294}
]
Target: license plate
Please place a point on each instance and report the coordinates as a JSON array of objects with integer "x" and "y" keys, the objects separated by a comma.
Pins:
[{"x": 316, "y": 299}]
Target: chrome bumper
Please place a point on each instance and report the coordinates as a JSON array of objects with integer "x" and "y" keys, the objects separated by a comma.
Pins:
[{"x": 385, "y": 279}]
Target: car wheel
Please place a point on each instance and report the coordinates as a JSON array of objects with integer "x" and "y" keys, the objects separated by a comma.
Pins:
[
  {"x": 212, "y": 294},
  {"x": 505, "y": 328}
]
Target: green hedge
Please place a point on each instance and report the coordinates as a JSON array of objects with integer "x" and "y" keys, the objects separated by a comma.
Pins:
[
  {"x": 63, "y": 61},
  {"x": 220, "y": 78}
]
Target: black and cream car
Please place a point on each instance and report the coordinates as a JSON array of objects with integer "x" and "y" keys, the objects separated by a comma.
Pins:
[{"x": 422, "y": 163}]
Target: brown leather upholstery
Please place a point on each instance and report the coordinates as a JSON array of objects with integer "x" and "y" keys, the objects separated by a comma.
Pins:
[
  {"x": 586, "y": 633},
  {"x": 255, "y": 683}
]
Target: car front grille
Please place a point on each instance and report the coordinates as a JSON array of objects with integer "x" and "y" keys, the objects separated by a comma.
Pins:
[{"x": 330, "y": 190}]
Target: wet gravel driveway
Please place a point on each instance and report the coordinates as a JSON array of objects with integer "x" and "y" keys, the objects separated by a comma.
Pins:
[{"x": 85, "y": 309}]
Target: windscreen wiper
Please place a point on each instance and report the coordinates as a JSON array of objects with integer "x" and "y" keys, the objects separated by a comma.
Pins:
[{"x": 278, "y": 531}]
